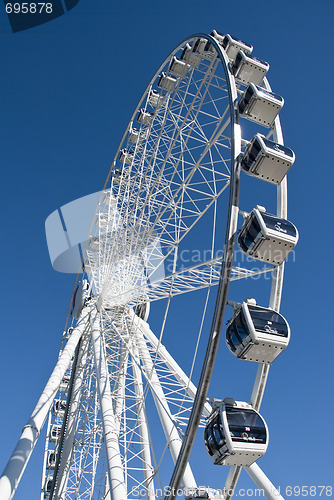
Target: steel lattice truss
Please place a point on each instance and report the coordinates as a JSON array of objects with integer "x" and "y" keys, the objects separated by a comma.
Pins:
[{"x": 139, "y": 371}]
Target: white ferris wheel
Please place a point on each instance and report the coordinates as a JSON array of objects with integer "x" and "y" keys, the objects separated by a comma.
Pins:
[{"x": 122, "y": 412}]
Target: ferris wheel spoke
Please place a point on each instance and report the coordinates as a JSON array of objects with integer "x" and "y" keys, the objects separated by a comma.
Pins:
[
  {"x": 172, "y": 436},
  {"x": 175, "y": 370},
  {"x": 197, "y": 277},
  {"x": 172, "y": 140}
]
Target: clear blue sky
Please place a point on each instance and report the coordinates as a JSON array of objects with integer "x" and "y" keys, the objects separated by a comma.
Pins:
[{"x": 68, "y": 90}]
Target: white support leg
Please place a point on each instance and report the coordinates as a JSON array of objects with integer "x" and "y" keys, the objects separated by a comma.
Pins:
[
  {"x": 119, "y": 387},
  {"x": 115, "y": 467},
  {"x": 172, "y": 436},
  {"x": 261, "y": 480},
  {"x": 143, "y": 429},
  {"x": 231, "y": 481},
  {"x": 65, "y": 463},
  {"x": 17, "y": 463}
]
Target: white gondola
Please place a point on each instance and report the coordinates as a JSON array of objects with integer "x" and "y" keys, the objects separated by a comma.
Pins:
[
  {"x": 167, "y": 82},
  {"x": 235, "y": 434},
  {"x": 59, "y": 408},
  {"x": 136, "y": 136},
  {"x": 64, "y": 383},
  {"x": 259, "y": 105},
  {"x": 94, "y": 242},
  {"x": 145, "y": 117},
  {"x": 267, "y": 159},
  {"x": 103, "y": 220},
  {"x": 87, "y": 266},
  {"x": 156, "y": 99},
  {"x": 201, "y": 47},
  {"x": 232, "y": 46},
  {"x": 249, "y": 69},
  {"x": 118, "y": 176},
  {"x": 178, "y": 67},
  {"x": 256, "y": 333},
  {"x": 266, "y": 237},
  {"x": 126, "y": 156},
  {"x": 78, "y": 300},
  {"x": 189, "y": 56},
  {"x": 55, "y": 433},
  {"x": 51, "y": 459},
  {"x": 143, "y": 310},
  {"x": 69, "y": 332},
  {"x": 48, "y": 486},
  {"x": 109, "y": 198}
]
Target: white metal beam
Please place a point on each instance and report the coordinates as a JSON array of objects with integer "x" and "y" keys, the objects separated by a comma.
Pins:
[
  {"x": 17, "y": 463},
  {"x": 65, "y": 462},
  {"x": 115, "y": 466},
  {"x": 261, "y": 480},
  {"x": 143, "y": 428}
]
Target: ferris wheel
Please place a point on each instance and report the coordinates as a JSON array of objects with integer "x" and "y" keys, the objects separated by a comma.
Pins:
[{"x": 121, "y": 407}]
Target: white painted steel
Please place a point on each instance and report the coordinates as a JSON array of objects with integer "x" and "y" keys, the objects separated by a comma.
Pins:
[
  {"x": 115, "y": 466},
  {"x": 261, "y": 480},
  {"x": 65, "y": 463},
  {"x": 13, "y": 471},
  {"x": 148, "y": 469}
]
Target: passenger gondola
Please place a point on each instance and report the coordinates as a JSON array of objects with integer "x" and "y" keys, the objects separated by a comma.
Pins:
[
  {"x": 78, "y": 300},
  {"x": 266, "y": 237},
  {"x": 259, "y": 105},
  {"x": 256, "y": 333},
  {"x": 126, "y": 156},
  {"x": 249, "y": 69},
  {"x": 267, "y": 160},
  {"x": 178, "y": 67},
  {"x": 155, "y": 99},
  {"x": 232, "y": 45},
  {"x": 145, "y": 117},
  {"x": 48, "y": 486},
  {"x": 143, "y": 310},
  {"x": 51, "y": 459},
  {"x": 55, "y": 433},
  {"x": 118, "y": 175},
  {"x": 109, "y": 198},
  {"x": 201, "y": 47},
  {"x": 235, "y": 434},
  {"x": 167, "y": 82},
  {"x": 64, "y": 383},
  {"x": 190, "y": 57},
  {"x": 69, "y": 333},
  {"x": 59, "y": 408},
  {"x": 135, "y": 136}
]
